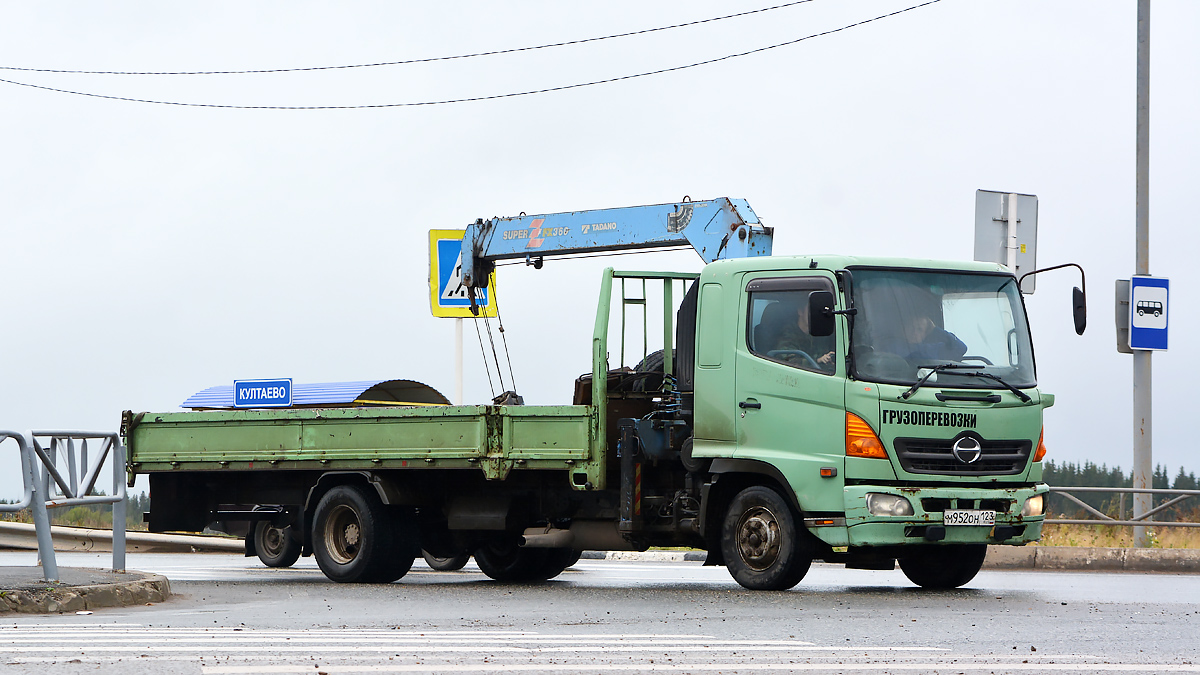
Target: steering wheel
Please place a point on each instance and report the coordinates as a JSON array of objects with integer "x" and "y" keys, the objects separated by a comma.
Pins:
[
  {"x": 977, "y": 358},
  {"x": 784, "y": 353}
]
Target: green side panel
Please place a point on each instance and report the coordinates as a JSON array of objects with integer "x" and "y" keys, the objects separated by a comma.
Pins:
[
  {"x": 545, "y": 432},
  {"x": 213, "y": 441},
  {"x": 362, "y": 435},
  {"x": 416, "y": 437}
]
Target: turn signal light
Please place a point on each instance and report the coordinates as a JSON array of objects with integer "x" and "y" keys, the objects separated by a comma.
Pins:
[
  {"x": 1041, "y": 451},
  {"x": 860, "y": 440}
]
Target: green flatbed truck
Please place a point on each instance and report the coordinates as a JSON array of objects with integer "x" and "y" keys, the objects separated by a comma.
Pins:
[{"x": 853, "y": 410}]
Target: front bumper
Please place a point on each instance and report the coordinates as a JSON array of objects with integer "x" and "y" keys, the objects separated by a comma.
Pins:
[{"x": 926, "y": 525}]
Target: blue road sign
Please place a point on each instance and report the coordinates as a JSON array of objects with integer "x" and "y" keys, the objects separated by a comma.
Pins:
[
  {"x": 262, "y": 393},
  {"x": 1148, "y": 305},
  {"x": 450, "y": 290},
  {"x": 448, "y": 297}
]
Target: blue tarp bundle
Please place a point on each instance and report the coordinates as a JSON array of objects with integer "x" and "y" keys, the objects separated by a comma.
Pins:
[{"x": 333, "y": 394}]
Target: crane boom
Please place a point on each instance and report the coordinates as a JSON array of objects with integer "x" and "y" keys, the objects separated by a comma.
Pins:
[{"x": 717, "y": 229}]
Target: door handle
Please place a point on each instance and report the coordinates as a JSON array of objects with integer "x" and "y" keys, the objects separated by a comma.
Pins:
[{"x": 752, "y": 405}]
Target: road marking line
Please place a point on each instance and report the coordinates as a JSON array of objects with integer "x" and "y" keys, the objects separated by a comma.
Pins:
[
  {"x": 679, "y": 644},
  {"x": 449, "y": 649},
  {"x": 702, "y": 667}
]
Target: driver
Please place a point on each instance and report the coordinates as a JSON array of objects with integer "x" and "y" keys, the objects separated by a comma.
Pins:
[
  {"x": 794, "y": 336},
  {"x": 926, "y": 340}
]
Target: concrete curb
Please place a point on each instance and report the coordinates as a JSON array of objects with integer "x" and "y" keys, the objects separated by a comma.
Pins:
[
  {"x": 1180, "y": 561},
  {"x": 145, "y": 588}
]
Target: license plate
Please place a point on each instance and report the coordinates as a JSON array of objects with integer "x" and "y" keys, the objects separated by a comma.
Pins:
[{"x": 969, "y": 517}]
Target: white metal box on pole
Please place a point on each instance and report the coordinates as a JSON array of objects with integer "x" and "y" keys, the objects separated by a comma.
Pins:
[{"x": 1005, "y": 240}]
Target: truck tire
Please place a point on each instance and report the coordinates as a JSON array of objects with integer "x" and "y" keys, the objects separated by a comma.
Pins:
[
  {"x": 405, "y": 549},
  {"x": 654, "y": 363},
  {"x": 510, "y": 562},
  {"x": 946, "y": 566},
  {"x": 354, "y": 541},
  {"x": 446, "y": 564},
  {"x": 557, "y": 561},
  {"x": 275, "y": 545},
  {"x": 764, "y": 549}
]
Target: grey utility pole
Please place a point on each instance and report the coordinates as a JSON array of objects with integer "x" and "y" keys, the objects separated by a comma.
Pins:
[{"x": 1143, "y": 463}]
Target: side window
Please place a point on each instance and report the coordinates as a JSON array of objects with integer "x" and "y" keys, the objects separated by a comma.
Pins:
[{"x": 777, "y": 325}]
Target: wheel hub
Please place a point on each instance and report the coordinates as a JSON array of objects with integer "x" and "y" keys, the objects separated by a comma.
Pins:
[
  {"x": 758, "y": 538},
  {"x": 273, "y": 540},
  {"x": 343, "y": 535}
]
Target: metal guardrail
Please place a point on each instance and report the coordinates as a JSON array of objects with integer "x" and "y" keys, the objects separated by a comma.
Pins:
[
  {"x": 76, "y": 488},
  {"x": 33, "y": 501},
  {"x": 1140, "y": 521}
]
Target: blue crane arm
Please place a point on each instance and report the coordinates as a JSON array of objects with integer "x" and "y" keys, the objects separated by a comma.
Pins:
[{"x": 717, "y": 229}]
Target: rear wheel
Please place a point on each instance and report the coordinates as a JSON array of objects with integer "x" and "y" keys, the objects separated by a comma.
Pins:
[
  {"x": 356, "y": 540},
  {"x": 763, "y": 547},
  {"x": 275, "y": 545},
  {"x": 446, "y": 564},
  {"x": 946, "y": 566},
  {"x": 506, "y": 561},
  {"x": 557, "y": 560}
]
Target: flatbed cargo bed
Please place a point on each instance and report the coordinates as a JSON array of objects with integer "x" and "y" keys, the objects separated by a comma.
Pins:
[{"x": 494, "y": 439}]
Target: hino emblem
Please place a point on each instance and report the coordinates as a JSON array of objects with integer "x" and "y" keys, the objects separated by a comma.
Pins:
[{"x": 967, "y": 450}]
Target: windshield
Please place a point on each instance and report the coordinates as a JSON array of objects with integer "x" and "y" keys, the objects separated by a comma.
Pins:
[{"x": 909, "y": 322}]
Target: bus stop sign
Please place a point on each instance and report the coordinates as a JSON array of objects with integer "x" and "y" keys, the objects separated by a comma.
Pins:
[{"x": 1148, "y": 306}]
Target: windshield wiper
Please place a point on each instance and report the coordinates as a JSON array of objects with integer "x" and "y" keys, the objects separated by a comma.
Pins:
[
  {"x": 932, "y": 369},
  {"x": 1020, "y": 394}
]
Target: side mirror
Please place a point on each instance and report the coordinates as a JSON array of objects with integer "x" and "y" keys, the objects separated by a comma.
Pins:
[
  {"x": 1079, "y": 310},
  {"x": 820, "y": 313},
  {"x": 1078, "y": 297}
]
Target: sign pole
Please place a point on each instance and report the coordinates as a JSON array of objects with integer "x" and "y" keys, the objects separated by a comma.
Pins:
[
  {"x": 1143, "y": 463},
  {"x": 458, "y": 361},
  {"x": 1010, "y": 240}
]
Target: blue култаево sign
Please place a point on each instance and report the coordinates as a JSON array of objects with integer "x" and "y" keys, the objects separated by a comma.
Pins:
[{"x": 262, "y": 393}]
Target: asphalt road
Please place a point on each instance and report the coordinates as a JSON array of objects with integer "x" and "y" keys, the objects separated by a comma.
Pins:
[{"x": 231, "y": 615}]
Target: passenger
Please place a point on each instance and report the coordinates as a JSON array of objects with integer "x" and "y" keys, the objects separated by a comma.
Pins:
[{"x": 794, "y": 337}]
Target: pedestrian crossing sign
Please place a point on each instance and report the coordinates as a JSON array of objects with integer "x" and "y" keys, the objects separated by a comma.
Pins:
[{"x": 447, "y": 295}]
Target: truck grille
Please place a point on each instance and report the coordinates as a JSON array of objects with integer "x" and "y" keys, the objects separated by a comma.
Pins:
[{"x": 926, "y": 455}]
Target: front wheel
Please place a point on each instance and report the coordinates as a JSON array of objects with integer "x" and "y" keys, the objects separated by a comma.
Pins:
[
  {"x": 275, "y": 545},
  {"x": 946, "y": 566},
  {"x": 763, "y": 547}
]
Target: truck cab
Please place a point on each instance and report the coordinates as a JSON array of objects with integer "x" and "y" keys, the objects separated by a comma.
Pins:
[{"x": 913, "y": 424}]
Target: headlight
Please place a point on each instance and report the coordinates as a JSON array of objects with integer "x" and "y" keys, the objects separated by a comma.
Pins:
[
  {"x": 880, "y": 504},
  {"x": 1034, "y": 506}
]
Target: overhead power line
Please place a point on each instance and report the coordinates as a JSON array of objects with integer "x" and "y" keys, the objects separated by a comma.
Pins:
[
  {"x": 469, "y": 99},
  {"x": 424, "y": 60}
]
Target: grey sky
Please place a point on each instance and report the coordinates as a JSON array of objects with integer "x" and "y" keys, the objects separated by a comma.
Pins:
[{"x": 152, "y": 251}]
